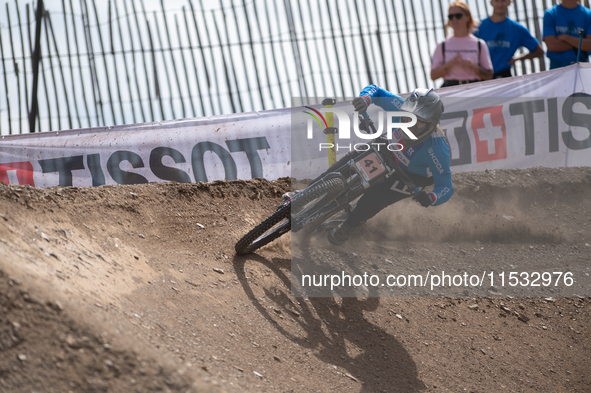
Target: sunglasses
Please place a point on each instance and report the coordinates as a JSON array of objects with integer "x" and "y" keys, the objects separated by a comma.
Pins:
[{"x": 459, "y": 15}]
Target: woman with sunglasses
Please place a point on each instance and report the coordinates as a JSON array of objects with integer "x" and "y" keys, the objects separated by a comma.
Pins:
[{"x": 461, "y": 58}]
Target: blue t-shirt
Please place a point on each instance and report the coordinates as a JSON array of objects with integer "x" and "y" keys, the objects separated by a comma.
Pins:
[
  {"x": 560, "y": 20},
  {"x": 503, "y": 39},
  {"x": 430, "y": 158}
]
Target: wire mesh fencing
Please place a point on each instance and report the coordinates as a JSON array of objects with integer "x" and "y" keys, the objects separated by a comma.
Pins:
[{"x": 132, "y": 61}]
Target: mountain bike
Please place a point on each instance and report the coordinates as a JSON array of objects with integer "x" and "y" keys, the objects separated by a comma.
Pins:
[{"x": 328, "y": 199}]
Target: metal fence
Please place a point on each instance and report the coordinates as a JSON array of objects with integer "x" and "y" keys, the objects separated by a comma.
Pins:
[{"x": 123, "y": 63}]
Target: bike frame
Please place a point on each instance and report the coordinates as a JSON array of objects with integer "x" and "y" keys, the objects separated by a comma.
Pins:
[{"x": 360, "y": 173}]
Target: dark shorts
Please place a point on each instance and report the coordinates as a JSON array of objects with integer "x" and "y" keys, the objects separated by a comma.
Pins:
[
  {"x": 453, "y": 82},
  {"x": 506, "y": 73},
  {"x": 379, "y": 196},
  {"x": 383, "y": 195}
]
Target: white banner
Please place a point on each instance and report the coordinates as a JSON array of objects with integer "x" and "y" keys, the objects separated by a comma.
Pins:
[
  {"x": 241, "y": 146},
  {"x": 542, "y": 119}
]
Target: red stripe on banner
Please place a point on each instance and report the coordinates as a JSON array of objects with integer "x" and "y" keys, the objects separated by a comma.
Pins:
[{"x": 24, "y": 172}]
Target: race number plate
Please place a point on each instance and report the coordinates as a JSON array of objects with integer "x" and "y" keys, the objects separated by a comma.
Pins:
[{"x": 370, "y": 166}]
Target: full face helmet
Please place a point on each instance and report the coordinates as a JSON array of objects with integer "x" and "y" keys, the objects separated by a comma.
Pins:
[{"x": 427, "y": 107}]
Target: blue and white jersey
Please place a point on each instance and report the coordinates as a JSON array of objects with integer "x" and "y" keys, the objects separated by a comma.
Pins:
[{"x": 430, "y": 158}]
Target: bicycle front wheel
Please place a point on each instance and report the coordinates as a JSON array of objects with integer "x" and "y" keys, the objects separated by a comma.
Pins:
[
  {"x": 276, "y": 225},
  {"x": 309, "y": 205}
]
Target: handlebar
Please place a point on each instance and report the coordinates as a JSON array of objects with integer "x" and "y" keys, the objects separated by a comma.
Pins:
[{"x": 366, "y": 123}]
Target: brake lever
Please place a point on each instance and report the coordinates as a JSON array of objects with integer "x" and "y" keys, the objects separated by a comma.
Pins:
[{"x": 366, "y": 124}]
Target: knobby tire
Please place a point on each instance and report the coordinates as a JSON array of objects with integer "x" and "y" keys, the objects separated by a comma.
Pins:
[
  {"x": 264, "y": 233},
  {"x": 320, "y": 195}
]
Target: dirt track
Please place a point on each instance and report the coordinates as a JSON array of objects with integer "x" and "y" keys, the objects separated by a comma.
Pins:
[{"x": 137, "y": 288}]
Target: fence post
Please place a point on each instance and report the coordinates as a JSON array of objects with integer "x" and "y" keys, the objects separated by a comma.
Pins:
[{"x": 35, "y": 60}]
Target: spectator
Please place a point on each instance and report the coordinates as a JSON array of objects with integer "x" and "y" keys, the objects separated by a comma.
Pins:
[
  {"x": 503, "y": 37},
  {"x": 461, "y": 58},
  {"x": 562, "y": 24}
]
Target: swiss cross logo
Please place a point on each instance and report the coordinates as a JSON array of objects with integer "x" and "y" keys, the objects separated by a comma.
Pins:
[
  {"x": 17, "y": 173},
  {"x": 490, "y": 134}
]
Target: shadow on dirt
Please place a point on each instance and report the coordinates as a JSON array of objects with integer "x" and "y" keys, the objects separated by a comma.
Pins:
[{"x": 335, "y": 330}]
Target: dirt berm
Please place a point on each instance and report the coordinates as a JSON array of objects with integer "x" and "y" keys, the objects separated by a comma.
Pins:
[{"x": 137, "y": 289}]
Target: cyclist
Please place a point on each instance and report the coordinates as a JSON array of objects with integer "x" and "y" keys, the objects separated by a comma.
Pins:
[{"x": 426, "y": 160}]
